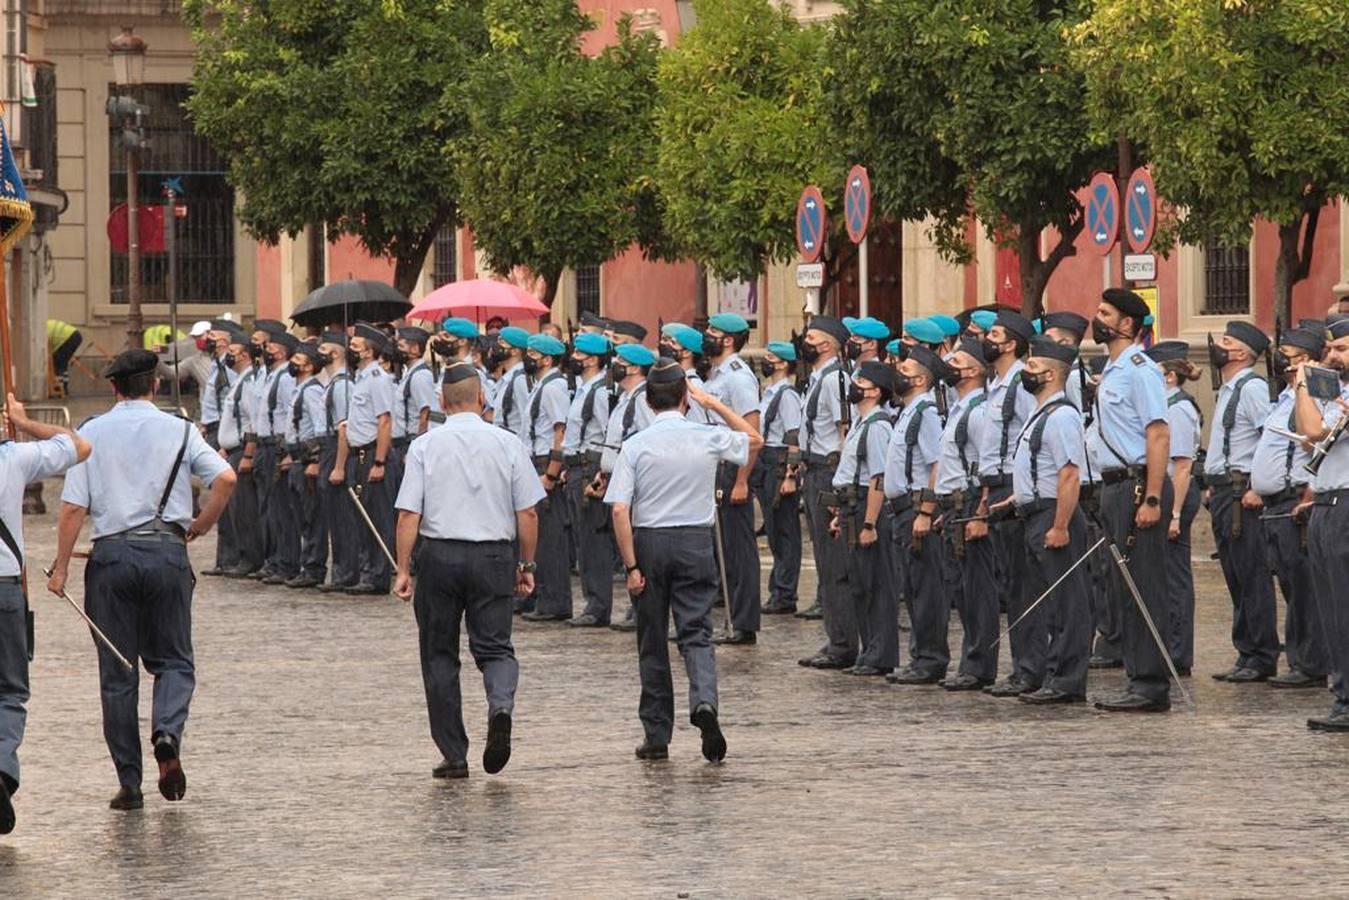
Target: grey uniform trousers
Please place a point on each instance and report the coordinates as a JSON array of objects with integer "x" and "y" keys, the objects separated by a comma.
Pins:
[
  {"x": 246, "y": 516},
  {"x": 13, "y": 680},
  {"x": 1009, "y": 540},
  {"x": 1061, "y": 625},
  {"x": 681, "y": 582},
  {"x": 1180, "y": 584},
  {"x": 741, "y": 550},
  {"x": 311, "y": 525},
  {"x": 590, "y": 526},
  {"x": 1287, "y": 542},
  {"x": 920, "y": 568},
  {"x": 841, "y": 629},
  {"x": 227, "y": 540},
  {"x": 971, "y": 579},
  {"x": 340, "y": 518},
  {"x": 264, "y": 485},
  {"x": 377, "y": 499},
  {"x": 283, "y": 524},
  {"x": 1255, "y": 630},
  {"x": 1143, "y": 661},
  {"x": 1329, "y": 553},
  {"x": 869, "y": 580},
  {"x": 473, "y": 583},
  {"x": 552, "y": 581},
  {"x": 782, "y": 525},
  {"x": 139, "y": 592}
]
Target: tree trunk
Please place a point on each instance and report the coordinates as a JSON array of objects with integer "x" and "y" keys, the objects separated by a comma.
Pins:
[
  {"x": 550, "y": 286},
  {"x": 1295, "y": 257},
  {"x": 1036, "y": 272},
  {"x": 410, "y": 256}
]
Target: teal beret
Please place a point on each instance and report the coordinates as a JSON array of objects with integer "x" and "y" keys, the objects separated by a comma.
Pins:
[
  {"x": 728, "y": 323},
  {"x": 893, "y": 346},
  {"x": 948, "y": 325},
  {"x": 670, "y": 329},
  {"x": 924, "y": 331},
  {"x": 516, "y": 337},
  {"x": 869, "y": 328},
  {"x": 690, "y": 339},
  {"x": 782, "y": 350},
  {"x": 460, "y": 328},
  {"x": 849, "y": 322},
  {"x": 984, "y": 318},
  {"x": 594, "y": 344},
  {"x": 546, "y": 344},
  {"x": 635, "y": 354}
]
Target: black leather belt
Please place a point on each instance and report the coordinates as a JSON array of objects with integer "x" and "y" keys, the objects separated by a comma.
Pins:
[
  {"x": 901, "y": 504},
  {"x": 1115, "y": 476},
  {"x": 1026, "y": 510},
  {"x": 1225, "y": 481},
  {"x": 267, "y": 441},
  {"x": 828, "y": 461},
  {"x": 1331, "y": 498},
  {"x": 150, "y": 532},
  {"x": 953, "y": 500},
  {"x": 402, "y": 442},
  {"x": 10, "y": 579},
  {"x": 1283, "y": 496},
  {"x": 996, "y": 481}
]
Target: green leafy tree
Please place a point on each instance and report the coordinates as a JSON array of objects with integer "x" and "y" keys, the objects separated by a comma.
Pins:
[
  {"x": 742, "y": 130},
  {"x": 1239, "y": 107},
  {"x": 339, "y": 113},
  {"x": 970, "y": 107},
  {"x": 556, "y": 165}
]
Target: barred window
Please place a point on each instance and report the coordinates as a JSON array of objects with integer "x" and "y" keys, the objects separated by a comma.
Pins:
[
  {"x": 205, "y": 246},
  {"x": 445, "y": 262},
  {"x": 1227, "y": 280},
  {"x": 588, "y": 289}
]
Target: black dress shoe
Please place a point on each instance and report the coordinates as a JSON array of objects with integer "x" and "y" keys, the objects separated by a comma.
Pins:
[
  {"x": 498, "y": 750},
  {"x": 1184, "y": 671},
  {"x": 6, "y": 808},
  {"x": 736, "y": 637},
  {"x": 127, "y": 798},
  {"x": 303, "y": 581},
  {"x": 913, "y": 676},
  {"x": 239, "y": 572},
  {"x": 172, "y": 781},
  {"x": 332, "y": 588},
  {"x": 448, "y": 769},
  {"x": 537, "y": 616},
  {"x": 1247, "y": 676},
  {"x": 1334, "y": 722},
  {"x": 360, "y": 588},
  {"x": 213, "y": 571},
  {"x": 586, "y": 620},
  {"x": 778, "y": 609},
  {"x": 965, "y": 683},
  {"x": 1011, "y": 687},
  {"x": 823, "y": 661},
  {"x": 1226, "y": 674},
  {"x": 1130, "y": 702},
  {"x": 714, "y": 743},
  {"x": 623, "y": 625},
  {"x": 1047, "y": 696},
  {"x": 867, "y": 671},
  {"x": 275, "y": 579},
  {"x": 258, "y": 574},
  {"x": 811, "y": 612},
  {"x": 1295, "y": 678},
  {"x": 652, "y": 751},
  {"x": 1105, "y": 662}
]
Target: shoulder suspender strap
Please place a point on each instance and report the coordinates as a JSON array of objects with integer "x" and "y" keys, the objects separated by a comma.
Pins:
[
  {"x": 1100, "y": 430},
  {"x": 771, "y": 413},
  {"x": 813, "y": 401},
  {"x": 173, "y": 473},
  {"x": 1008, "y": 414},
  {"x": 329, "y": 405},
  {"x": 911, "y": 437},
  {"x": 588, "y": 408},
  {"x": 630, "y": 413},
  {"x": 1230, "y": 416},
  {"x": 11, "y": 544},
  {"x": 862, "y": 448},
  {"x": 508, "y": 401},
  {"x": 962, "y": 434},
  {"x": 407, "y": 393},
  {"x": 297, "y": 407},
  {"x": 1037, "y": 436},
  {"x": 534, "y": 407}
]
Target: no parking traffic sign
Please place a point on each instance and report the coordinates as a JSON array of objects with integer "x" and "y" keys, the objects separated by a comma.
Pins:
[
  {"x": 811, "y": 221},
  {"x": 1140, "y": 210},
  {"x": 1103, "y": 212},
  {"x": 857, "y": 204}
]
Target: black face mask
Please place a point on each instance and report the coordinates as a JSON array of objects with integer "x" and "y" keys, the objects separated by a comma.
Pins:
[
  {"x": 855, "y": 394},
  {"x": 991, "y": 350},
  {"x": 1281, "y": 363},
  {"x": 210, "y": 346},
  {"x": 293, "y": 370},
  {"x": 531, "y": 365},
  {"x": 574, "y": 366},
  {"x": 229, "y": 360},
  {"x": 903, "y": 384},
  {"x": 496, "y": 356},
  {"x": 1102, "y": 333},
  {"x": 853, "y": 350},
  {"x": 1032, "y": 382},
  {"x": 353, "y": 358},
  {"x": 702, "y": 365},
  {"x": 617, "y": 372},
  {"x": 810, "y": 353},
  {"x": 767, "y": 368},
  {"x": 667, "y": 352},
  {"x": 254, "y": 352}
]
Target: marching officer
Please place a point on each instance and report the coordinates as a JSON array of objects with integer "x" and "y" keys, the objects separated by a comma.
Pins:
[
  {"x": 1280, "y": 477},
  {"x": 414, "y": 397},
  {"x": 663, "y": 498},
  {"x": 363, "y": 440},
  {"x": 1329, "y": 552},
  {"x": 1241, "y": 408},
  {"x": 858, "y": 526},
  {"x": 1046, "y": 479},
  {"x": 1134, "y": 451},
  {"x": 582, "y": 450},
  {"x": 910, "y": 481},
  {"x": 304, "y": 450},
  {"x": 545, "y": 431},
  {"x": 731, "y": 381},
  {"x": 469, "y": 567},
  {"x": 52, "y": 451},
  {"x": 137, "y": 489},
  {"x": 778, "y": 493},
  {"x": 510, "y": 405}
]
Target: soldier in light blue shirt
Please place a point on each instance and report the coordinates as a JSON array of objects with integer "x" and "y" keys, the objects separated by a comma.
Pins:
[
  {"x": 52, "y": 451},
  {"x": 468, "y": 499},
  {"x": 510, "y": 403},
  {"x": 1048, "y": 460},
  {"x": 304, "y": 430},
  {"x": 279, "y": 519},
  {"x": 664, "y": 504},
  {"x": 363, "y": 442},
  {"x": 414, "y": 394},
  {"x": 340, "y": 518},
  {"x": 239, "y": 550},
  {"x": 546, "y": 415},
  {"x": 582, "y": 450},
  {"x": 1135, "y": 441},
  {"x": 1241, "y": 408},
  {"x": 136, "y": 488},
  {"x": 219, "y": 376},
  {"x": 779, "y": 499}
]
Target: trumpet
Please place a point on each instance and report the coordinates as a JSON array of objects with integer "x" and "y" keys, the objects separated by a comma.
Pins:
[{"x": 1320, "y": 449}]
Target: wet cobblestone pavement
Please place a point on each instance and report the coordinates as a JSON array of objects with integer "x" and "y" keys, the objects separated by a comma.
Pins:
[{"x": 308, "y": 764}]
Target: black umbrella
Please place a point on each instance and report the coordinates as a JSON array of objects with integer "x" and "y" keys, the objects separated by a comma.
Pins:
[{"x": 348, "y": 301}]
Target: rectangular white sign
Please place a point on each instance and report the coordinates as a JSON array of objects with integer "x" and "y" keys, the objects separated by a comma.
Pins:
[
  {"x": 1140, "y": 267},
  {"x": 810, "y": 275}
]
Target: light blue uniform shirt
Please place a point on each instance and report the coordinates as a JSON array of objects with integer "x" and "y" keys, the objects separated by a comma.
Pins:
[
  {"x": 467, "y": 480},
  {"x": 235, "y": 418},
  {"x": 414, "y": 392},
  {"x": 253, "y": 380},
  {"x": 1183, "y": 420},
  {"x": 336, "y": 402},
  {"x": 878, "y": 444},
  {"x": 819, "y": 435},
  {"x": 371, "y": 397},
  {"x": 553, "y": 402},
  {"x": 918, "y": 460},
  {"x": 1333, "y": 475},
  {"x": 733, "y": 382},
  {"x": 22, "y": 463},
  {"x": 275, "y": 392},
  {"x": 514, "y": 419},
  {"x": 953, "y": 474},
  {"x": 992, "y": 463},
  {"x": 122, "y": 480},
  {"x": 587, "y": 434},
  {"x": 211, "y": 393},
  {"x": 786, "y": 418},
  {"x": 1252, "y": 410},
  {"x": 1063, "y": 443},
  {"x": 306, "y": 412},
  {"x": 1278, "y": 462},
  {"x": 666, "y": 474},
  {"x": 642, "y": 417},
  {"x": 696, "y": 413},
  {"x": 1131, "y": 396}
]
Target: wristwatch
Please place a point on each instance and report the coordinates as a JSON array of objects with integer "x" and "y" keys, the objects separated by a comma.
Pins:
[
  {"x": 632, "y": 569},
  {"x": 1152, "y": 500},
  {"x": 868, "y": 526},
  {"x": 379, "y": 462},
  {"x": 527, "y": 568}
]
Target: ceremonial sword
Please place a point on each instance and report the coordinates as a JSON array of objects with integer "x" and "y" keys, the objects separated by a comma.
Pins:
[
  {"x": 355, "y": 498},
  {"x": 98, "y": 632},
  {"x": 1050, "y": 590},
  {"x": 721, "y": 562}
]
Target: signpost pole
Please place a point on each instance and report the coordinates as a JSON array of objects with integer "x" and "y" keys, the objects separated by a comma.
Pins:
[
  {"x": 1122, "y": 180},
  {"x": 171, "y": 284},
  {"x": 864, "y": 280}
]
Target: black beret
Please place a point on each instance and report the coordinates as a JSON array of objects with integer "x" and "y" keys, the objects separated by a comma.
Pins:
[
  {"x": 666, "y": 372},
  {"x": 877, "y": 373},
  {"x": 224, "y": 324},
  {"x": 1313, "y": 342},
  {"x": 1068, "y": 321},
  {"x": 1126, "y": 302},
  {"x": 377, "y": 339},
  {"x": 631, "y": 329},
  {"x": 1048, "y": 349},
  {"x": 334, "y": 337},
  {"x": 271, "y": 326},
  {"x": 1016, "y": 323},
  {"x": 930, "y": 361},
  {"x": 830, "y": 326},
  {"x": 1337, "y": 328},
  {"x": 1249, "y": 335},
  {"x": 414, "y": 335},
  {"x": 236, "y": 333},
  {"x": 590, "y": 320},
  {"x": 285, "y": 339},
  {"x": 309, "y": 349},
  {"x": 458, "y": 371},
  {"x": 1315, "y": 326},
  {"x": 974, "y": 347},
  {"x": 1166, "y": 351},
  {"x": 131, "y": 362}
]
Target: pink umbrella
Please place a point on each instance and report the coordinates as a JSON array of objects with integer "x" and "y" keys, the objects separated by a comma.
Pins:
[{"x": 480, "y": 300}]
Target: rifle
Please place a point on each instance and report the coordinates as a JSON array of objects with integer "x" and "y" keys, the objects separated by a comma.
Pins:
[
  {"x": 1275, "y": 389},
  {"x": 1215, "y": 377}
]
